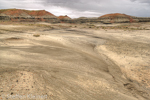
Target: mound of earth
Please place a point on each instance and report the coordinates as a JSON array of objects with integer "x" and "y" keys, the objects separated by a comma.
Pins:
[
  {"x": 15, "y": 13},
  {"x": 64, "y": 17},
  {"x": 23, "y": 13},
  {"x": 27, "y": 15},
  {"x": 40, "y": 13},
  {"x": 116, "y": 17}
]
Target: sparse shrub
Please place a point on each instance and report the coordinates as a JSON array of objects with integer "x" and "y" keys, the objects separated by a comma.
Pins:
[
  {"x": 36, "y": 35},
  {"x": 91, "y": 25},
  {"x": 103, "y": 27},
  {"x": 30, "y": 24}
]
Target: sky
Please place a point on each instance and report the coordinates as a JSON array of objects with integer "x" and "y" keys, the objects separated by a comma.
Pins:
[{"x": 82, "y": 8}]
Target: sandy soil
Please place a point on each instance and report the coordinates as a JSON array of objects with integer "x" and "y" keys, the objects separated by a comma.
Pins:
[{"x": 74, "y": 62}]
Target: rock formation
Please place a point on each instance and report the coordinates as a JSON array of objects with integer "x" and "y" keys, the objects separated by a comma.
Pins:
[
  {"x": 26, "y": 15},
  {"x": 86, "y": 20},
  {"x": 4, "y": 17},
  {"x": 112, "y": 18},
  {"x": 65, "y": 19},
  {"x": 43, "y": 15},
  {"x": 115, "y": 18},
  {"x": 19, "y": 15},
  {"x": 121, "y": 18},
  {"x": 141, "y": 19}
]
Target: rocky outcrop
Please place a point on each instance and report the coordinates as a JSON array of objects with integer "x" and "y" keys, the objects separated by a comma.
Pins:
[
  {"x": 112, "y": 18},
  {"x": 27, "y": 16},
  {"x": 86, "y": 20},
  {"x": 141, "y": 19},
  {"x": 65, "y": 19},
  {"x": 43, "y": 15},
  {"x": 4, "y": 17},
  {"x": 18, "y": 15},
  {"x": 122, "y": 18},
  {"x": 115, "y": 18}
]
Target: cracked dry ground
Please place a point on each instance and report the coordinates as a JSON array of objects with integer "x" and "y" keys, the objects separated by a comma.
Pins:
[{"x": 74, "y": 63}]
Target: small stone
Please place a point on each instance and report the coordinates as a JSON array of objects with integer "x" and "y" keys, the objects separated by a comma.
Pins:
[{"x": 12, "y": 93}]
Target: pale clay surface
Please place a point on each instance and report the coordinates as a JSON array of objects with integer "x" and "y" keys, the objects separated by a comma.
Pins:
[{"x": 74, "y": 63}]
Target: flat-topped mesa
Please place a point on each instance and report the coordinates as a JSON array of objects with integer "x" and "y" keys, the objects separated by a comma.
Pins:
[
  {"x": 26, "y": 15},
  {"x": 65, "y": 19}
]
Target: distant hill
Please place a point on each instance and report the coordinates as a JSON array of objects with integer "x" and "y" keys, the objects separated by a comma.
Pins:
[
  {"x": 117, "y": 17},
  {"x": 27, "y": 15},
  {"x": 21, "y": 15},
  {"x": 64, "y": 17}
]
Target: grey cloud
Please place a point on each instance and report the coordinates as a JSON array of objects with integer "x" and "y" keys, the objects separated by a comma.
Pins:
[
  {"x": 142, "y": 1},
  {"x": 102, "y": 6},
  {"x": 76, "y": 4},
  {"x": 83, "y": 7}
]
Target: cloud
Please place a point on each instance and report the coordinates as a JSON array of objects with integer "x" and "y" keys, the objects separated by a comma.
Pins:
[
  {"x": 80, "y": 5},
  {"x": 130, "y": 7},
  {"x": 78, "y": 8},
  {"x": 141, "y": 1}
]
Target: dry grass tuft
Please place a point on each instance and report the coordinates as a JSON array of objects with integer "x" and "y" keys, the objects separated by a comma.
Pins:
[{"x": 36, "y": 35}]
